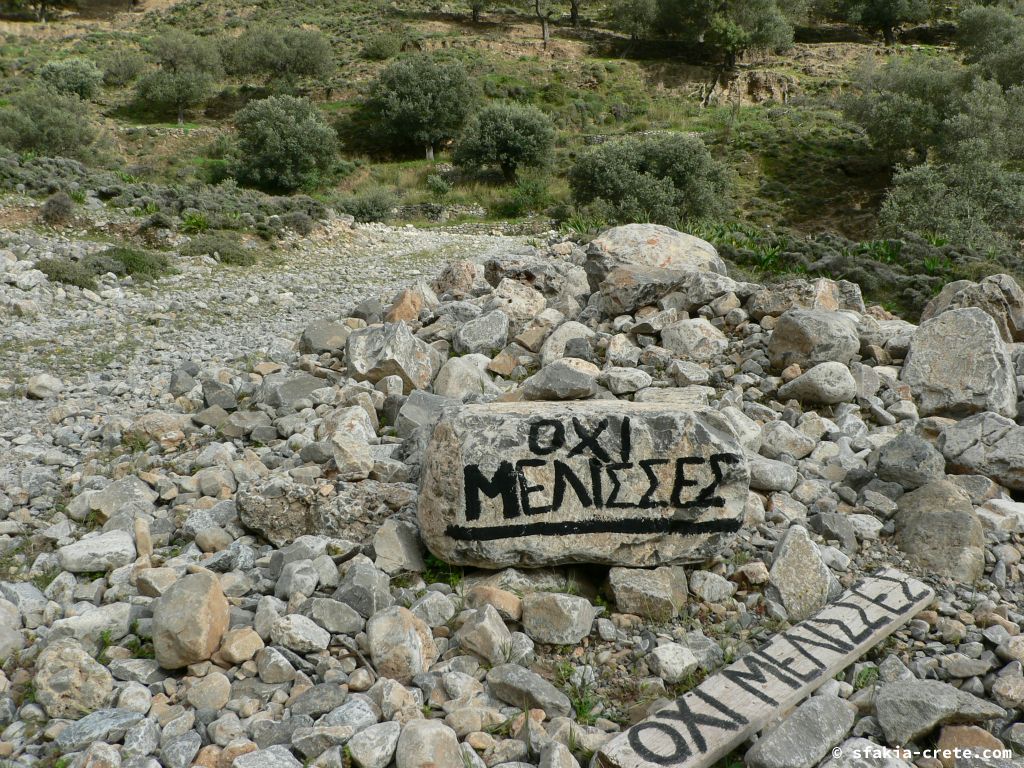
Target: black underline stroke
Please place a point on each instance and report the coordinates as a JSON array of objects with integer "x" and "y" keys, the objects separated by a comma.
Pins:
[{"x": 569, "y": 527}]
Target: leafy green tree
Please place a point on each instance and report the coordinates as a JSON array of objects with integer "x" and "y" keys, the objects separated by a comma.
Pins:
[
  {"x": 665, "y": 178},
  {"x": 283, "y": 143},
  {"x": 635, "y": 17},
  {"x": 993, "y": 38},
  {"x": 476, "y": 7},
  {"x": 49, "y": 123},
  {"x": 122, "y": 66},
  {"x": 281, "y": 54},
  {"x": 903, "y": 106},
  {"x": 506, "y": 136},
  {"x": 730, "y": 27},
  {"x": 78, "y": 76},
  {"x": 423, "y": 101},
  {"x": 189, "y": 68},
  {"x": 885, "y": 16},
  {"x": 975, "y": 202}
]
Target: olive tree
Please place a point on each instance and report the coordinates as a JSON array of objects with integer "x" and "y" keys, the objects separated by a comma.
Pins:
[
  {"x": 188, "y": 70},
  {"x": 664, "y": 178},
  {"x": 885, "y": 16},
  {"x": 49, "y": 123},
  {"x": 506, "y": 136},
  {"x": 419, "y": 100},
  {"x": 78, "y": 76},
  {"x": 281, "y": 55},
  {"x": 283, "y": 143}
]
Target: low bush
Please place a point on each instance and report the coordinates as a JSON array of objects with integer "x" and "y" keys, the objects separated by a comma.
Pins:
[
  {"x": 668, "y": 178},
  {"x": 225, "y": 247},
  {"x": 383, "y": 45},
  {"x": 67, "y": 272},
  {"x": 123, "y": 66},
  {"x": 77, "y": 76},
  {"x": 298, "y": 222},
  {"x": 58, "y": 209},
  {"x": 46, "y": 122},
  {"x": 374, "y": 205}
]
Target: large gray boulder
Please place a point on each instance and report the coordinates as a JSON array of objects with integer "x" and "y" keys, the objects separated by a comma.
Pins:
[
  {"x": 999, "y": 296},
  {"x": 649, "y": 245},
  {"x": 909, "y": 709},
  {"x": 635, "y": 484},
  {"x": 986, "y": 444},
  {"x": 825, "y": 384},
  {"x": 799, "y": 575},
  {"x": 822, "y": 294},
  {"x": 811, "y": 336},
  {"x": 189, "y": 620},
  {"x": 805, "y": 737},
  {"x": 958, "y": 365},
  {"x": 937, "y": 527}
]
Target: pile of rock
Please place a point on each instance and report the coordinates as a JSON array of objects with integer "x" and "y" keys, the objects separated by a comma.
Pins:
[{"x": 238, "y": 578}]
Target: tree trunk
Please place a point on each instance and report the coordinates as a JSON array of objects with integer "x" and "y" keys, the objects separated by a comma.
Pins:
[
  {"x": 181, "y": 115},
  {"x": 889, "y": 35},
  {"x": 430, "y": 152},
  {"x": 476, "y": 15},
  {"x": 574, "y": 12},
  {"x": 542, "y": 17}
]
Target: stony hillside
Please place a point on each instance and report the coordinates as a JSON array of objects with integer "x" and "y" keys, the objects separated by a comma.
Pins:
[{"x": 217, "y": 487}]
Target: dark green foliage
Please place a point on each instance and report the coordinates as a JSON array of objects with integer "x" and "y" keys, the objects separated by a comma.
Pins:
[
  {"x": 383, "y": 45},
  {"x": 373, "y": 205},
  {"x": 664, "y": 178},
  {"x": 993, "y": 38},
  {"x": 170, "y": 93},
  {"x": 78, "y": 76},
  {"x": 189, "y": 68},
  {"x": 123, "y": 262},
  {"x": 884, "y": 16},
  {"x": 975, "y": 202},
  {"x": 123, "y": 66},
  {"x": 43, "y": 121},
  {"x": 527, "y": 196},
  {"x": 58, "y": 209},
  {"x": 904, "y": 105},
  {"x": 283, "y": 143},
  {"x": 636, "y": 18},
  {"x": 422, "y": 101},
  {"x": 730, "y": 27},
  {"x": 281, "y": 54},
  {"x": 225, "y": 247},
  {"x": 67, "y": 272},
  {"x": 506, "y": 136},
  {"x": 299, "y": 222}
]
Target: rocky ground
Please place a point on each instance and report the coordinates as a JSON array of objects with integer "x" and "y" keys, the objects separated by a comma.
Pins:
[{"x": 209, "y": 541}]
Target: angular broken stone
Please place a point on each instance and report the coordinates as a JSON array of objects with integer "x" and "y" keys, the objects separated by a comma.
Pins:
[
  {"x": 391, "y": 350},
  {"x": 649, "y": 245},
  {"x": 532, "y": 484}
]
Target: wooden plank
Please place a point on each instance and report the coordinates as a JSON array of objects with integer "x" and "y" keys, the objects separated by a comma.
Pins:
[{"x": 710, "y": 721}]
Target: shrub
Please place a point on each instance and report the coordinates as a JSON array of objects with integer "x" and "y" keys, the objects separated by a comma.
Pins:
[
  {"x": 438, "y": 185},
  {"x": 283, "y": 143},
  {"x": 422, "y": 101},
  {"x": 123, "y": 66},
  {"x": 178, "y": 51},
  {"x": 48, "y": 123},
  {"x": 974, "y": 203},
  {"x": 527, "y": 196},
  {"x": 78, "y": 76},
  {"x": 665, "y": 178},
  {"x": 143, "y": 265},
  {"x": 635, "y": 17},
  {"x": 383, "y": 45},
  {"x": 122, "y": 261},
  {"x": 507, "y": 136},
  {"x": 67, "y": 272},
  {"x": 281, "y": 54},
  {"x": 58, "y": 209},
  {"x": 374, "y": 205},
  {"x": 225, "y": 247},
  {"x": 299, "y": 222}
]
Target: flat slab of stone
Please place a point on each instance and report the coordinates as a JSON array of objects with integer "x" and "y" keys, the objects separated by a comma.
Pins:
[
  {"x": 710, "y": 721},
  {"x": 617, "y": 483}
]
